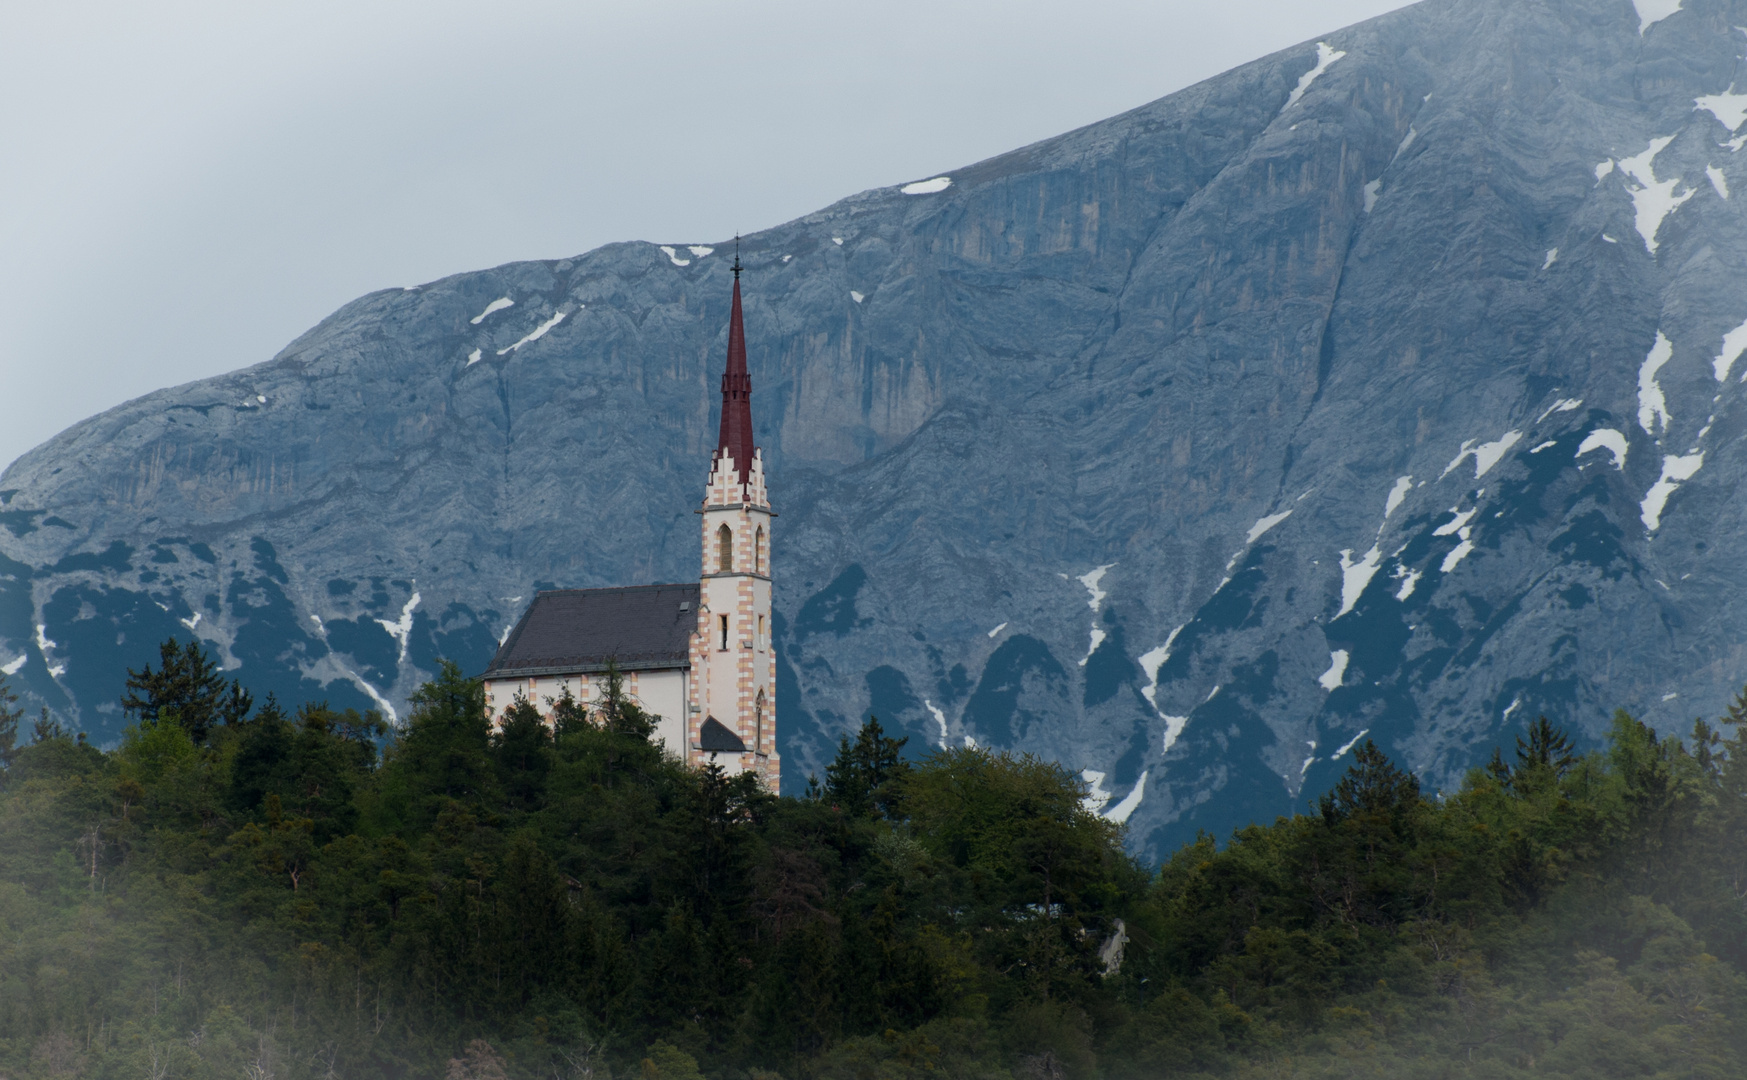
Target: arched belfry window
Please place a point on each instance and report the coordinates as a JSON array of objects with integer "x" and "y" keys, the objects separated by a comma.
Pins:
[
  {"x": 724, "y": 549},
  {"x": 758, "y": 551}
]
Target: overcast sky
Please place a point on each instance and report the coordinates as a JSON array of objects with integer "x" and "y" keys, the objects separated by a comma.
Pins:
[{"x": 186, "y": 185}]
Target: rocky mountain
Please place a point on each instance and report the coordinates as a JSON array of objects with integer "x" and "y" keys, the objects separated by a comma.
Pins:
[{"x": 1390, "y": 385}]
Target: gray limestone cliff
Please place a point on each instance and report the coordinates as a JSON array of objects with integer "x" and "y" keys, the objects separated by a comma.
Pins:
[{"x": 1389, "y": 385}]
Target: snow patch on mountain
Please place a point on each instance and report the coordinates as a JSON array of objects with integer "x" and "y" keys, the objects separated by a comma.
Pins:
[
  {"x": 1174, "y": 726},
  {"x": 1675, "y": 468},
  {"x": 1729, "y": 108},
  {"x": 382, "y": 703},
  {"x": 1652, "y": 199},
  {"x": 538, "y": 333},
  {"x": 1734, "y": 344},
  {"x": 1485, "y": 455},
  {"x": 1150, "y": 663},
  {"x": 1096, "y": 796},
  {"x": 401, "y": 628},
  {"x": 1562, "y": 405},
  {"x": 1606, "y": 439},
  {"x": 1123, "y": 810},
  {"x": 1090, "y": 580},
  {"x": 1398, "y": 493},
  {"x": 1352, "y": 742},
  {"x": 1457, "y": 523},
  {"x": 1652, "y": 405},
  {"x": 1406, "y": 141},
  {"x": 496, "y": 305},
  {"x": 939, "y": 718},
  {"x": 1457, "y": 553},
  {"x": 1409, "y": 578},
  {"x": 1262, "y": 525},
  {"x": 1355, "y": 576},
  {"x": 1651, "y": 12},
  {"x": 1337, "y": 670},
  {"x": 1326, "y": 55}
]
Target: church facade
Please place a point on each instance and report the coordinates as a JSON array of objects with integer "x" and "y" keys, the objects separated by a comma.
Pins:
[{"x": 697, "y": 656}]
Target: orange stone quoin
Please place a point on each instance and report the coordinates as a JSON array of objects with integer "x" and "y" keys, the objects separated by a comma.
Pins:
[{"x": 699, "y": 656}]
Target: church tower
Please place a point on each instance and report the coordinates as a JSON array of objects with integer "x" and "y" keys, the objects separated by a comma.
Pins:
[{"x": 733, "y": 664}]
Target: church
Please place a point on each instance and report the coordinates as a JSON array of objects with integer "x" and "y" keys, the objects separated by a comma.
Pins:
[{"x": 698, "y": 656}]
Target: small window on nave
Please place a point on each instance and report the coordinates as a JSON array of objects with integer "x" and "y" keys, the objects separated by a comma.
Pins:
[{"x": 724, "y": 549}]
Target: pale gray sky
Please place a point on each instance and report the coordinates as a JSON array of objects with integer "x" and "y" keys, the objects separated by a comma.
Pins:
[{"x": 186, "y": 185}]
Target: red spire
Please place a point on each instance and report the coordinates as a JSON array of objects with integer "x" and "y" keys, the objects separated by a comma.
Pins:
[{"x": 737, "y": 392}]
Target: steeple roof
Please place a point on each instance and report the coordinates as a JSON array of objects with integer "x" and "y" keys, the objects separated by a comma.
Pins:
[{"x": 736, "y": 437}]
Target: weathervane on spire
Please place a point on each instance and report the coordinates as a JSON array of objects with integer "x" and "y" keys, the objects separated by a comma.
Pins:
[{"x": 736, "y": 266}]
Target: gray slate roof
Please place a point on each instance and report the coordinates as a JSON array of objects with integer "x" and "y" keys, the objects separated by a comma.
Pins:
[
  {"x": 714, "y": 736},
  {"x": 579, "y": 630}
]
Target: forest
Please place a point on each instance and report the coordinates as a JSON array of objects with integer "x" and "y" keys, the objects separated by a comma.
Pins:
[{"x": 248, "y": 889}]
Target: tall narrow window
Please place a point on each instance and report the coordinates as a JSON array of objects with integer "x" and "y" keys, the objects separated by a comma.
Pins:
[
  {"x": 724, "y": 619},
  {"x": 758, "y": 551},
  {"x": 760, "y": 639},
  {"x": 724, "y": 549},
  {"x": 758, "y": 724}
]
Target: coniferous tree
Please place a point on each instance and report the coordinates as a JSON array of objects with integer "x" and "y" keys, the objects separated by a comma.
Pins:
[
  {"x": 867, "y": 776},
  {"x": 277, "y": 901},
  {"x": 442, "y": 757},
  {"x": 1372, "y": 784},
  {"x": 566, "y": 714},
  {"x": 616, "y": 712},
  {"x": 10, "y": 715},
  {"x": 521, "y": 744},
  {"x": 189, "y": 684},
  {"x": 47, "y": 728},
  {"x": 1547, "y": 746}
]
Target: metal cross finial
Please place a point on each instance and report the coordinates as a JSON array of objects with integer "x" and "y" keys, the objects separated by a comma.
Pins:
[{"x": 736, "y": 267}]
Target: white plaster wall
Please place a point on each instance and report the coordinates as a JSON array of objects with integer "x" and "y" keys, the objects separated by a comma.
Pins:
[
  {"x": 501, "y": 693},
  {"x": 662, "y": 692}
]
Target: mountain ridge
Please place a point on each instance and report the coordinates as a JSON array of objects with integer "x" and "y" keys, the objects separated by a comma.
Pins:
[{"x": 1197, "y": 344}]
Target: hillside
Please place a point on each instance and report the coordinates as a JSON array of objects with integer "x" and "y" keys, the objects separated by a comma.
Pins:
[
  {"x": 1385, "y": 386},
  {"x": 273, "y": 897}
]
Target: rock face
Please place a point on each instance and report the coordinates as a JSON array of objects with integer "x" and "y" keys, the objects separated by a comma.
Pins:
[{"x": 1391, "y": 384}]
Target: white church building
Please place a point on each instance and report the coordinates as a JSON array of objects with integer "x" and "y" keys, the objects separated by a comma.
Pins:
[{"x": 698, "y": 656}]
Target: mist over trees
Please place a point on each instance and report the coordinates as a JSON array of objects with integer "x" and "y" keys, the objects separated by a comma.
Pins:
[{"x": 257, "y": 891}]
